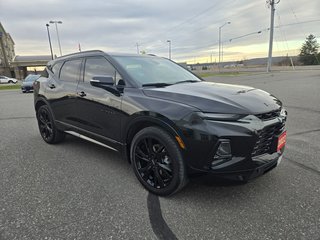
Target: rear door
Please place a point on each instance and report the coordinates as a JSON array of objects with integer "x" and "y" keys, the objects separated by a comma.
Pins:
[
  {"x": 61, "y": 90},
  {"x": 99, "y": 110}
]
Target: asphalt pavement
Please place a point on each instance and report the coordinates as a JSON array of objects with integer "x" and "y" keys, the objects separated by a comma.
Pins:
[{"x": 78, "y": 190}]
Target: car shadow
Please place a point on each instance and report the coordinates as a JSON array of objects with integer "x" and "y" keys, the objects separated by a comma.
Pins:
[
  {"x": 215, "y": 181},
  {"x": 206, "y": 186}
]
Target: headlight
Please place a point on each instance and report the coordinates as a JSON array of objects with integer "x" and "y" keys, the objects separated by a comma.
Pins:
[{"x": 221, "y": 116}]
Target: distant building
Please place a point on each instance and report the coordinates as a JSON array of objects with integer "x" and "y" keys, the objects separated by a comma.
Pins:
[{"x": 6, "y": 52}]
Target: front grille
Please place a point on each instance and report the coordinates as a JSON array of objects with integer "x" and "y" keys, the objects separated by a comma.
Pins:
[
  {"x": 268, "y": 115},
  {"x": 266, "y": 138}
]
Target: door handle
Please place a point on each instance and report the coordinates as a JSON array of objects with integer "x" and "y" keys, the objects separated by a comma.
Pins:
[
  {"x": 51, "y": 86},
  {"x": 82, "y": 94}
]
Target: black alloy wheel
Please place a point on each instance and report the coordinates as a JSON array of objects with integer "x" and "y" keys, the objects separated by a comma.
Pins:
[
  {"x": 157, "y": 161},
  {"x": 47, "y": 128}
]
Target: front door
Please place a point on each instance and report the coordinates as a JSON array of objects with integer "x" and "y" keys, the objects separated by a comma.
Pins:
[{"x": 99, "y": 110}]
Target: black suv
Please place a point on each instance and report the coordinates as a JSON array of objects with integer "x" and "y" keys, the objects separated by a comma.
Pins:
[{"x": 166, "y": 121}]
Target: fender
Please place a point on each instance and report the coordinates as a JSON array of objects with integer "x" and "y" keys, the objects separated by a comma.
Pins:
[
  {"x": 42, "y": 99},
  {"x": 141, "y": 120}
]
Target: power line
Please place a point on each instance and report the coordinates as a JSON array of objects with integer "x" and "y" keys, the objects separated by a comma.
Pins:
[
  {"x": 294, "y": 14},
  {"x": 192, "y": 18},
  {"x": 268, "y": 29},
  {"x": 245, "y": 35},
  {"x": 283, "y": 34},
  {"x": 297, "y": 23},
  {"x": 213, "y": 45}
]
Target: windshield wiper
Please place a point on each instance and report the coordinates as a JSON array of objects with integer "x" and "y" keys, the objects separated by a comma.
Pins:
[
  {"x": 156, "y": 84},
  {"x": 187, "y": 81}
]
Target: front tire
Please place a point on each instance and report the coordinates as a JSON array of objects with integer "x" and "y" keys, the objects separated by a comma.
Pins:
[
  {"x": 47, "y": 127},
  {"x": 157, "y": 161}
]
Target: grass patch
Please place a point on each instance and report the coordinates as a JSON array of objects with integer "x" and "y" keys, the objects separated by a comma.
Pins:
[{"x": 10, "y": 87}]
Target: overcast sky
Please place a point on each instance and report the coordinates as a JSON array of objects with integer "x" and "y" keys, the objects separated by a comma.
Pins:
[{"x": 192, "y": 26}]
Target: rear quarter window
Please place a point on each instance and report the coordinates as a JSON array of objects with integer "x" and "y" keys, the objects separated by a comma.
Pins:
[
  {"x": 45, "y": 73},
  {"x": 70, "y": 70},
  {"x": 56, "y": 68}
]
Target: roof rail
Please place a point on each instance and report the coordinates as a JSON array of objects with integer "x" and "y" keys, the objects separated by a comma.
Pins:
[{"x": 78, "y": 53}]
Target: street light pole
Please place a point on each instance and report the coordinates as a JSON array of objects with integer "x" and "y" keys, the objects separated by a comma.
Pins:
[
  {"x": 220, "y": 41},
  {"x": 56, "y": 23},
  {"x": 47, "y": 25},
  {"x": 219, "y": 44},
  {"x": 222, "y": 52},
  {"x": 169, "y": 41}
]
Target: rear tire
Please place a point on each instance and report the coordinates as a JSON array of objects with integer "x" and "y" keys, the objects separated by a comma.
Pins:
[
  {"x": 47, "y": 127},
  {"x": 157, "y": 161}
]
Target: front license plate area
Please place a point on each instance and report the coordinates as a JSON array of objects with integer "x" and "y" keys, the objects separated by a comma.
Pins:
[
  {"x": 282, "y": 139},
  {"x": 278, "y": 142}
]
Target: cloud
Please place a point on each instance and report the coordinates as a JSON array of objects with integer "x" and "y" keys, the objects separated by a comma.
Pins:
[{"x": 191, "y": 26}]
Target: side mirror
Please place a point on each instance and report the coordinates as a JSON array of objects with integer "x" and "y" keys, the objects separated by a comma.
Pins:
[
  {"x": 106, "y": 83},
  {"x": 99, "y": 81}
]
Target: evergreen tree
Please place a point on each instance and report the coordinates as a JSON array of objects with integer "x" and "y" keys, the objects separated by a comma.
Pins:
[{"x": 309, "y": 51}]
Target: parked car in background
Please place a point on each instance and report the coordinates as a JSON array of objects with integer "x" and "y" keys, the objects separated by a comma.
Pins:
[
  {"x": 167, "y": 122},
  {"x": 27, "y": 84},
  {"x": 4, "y": 79}
]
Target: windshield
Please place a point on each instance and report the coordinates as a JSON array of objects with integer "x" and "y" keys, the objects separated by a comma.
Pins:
[
  {"x": 31, "y": 78},
  {"x": 149, "y": 70}
]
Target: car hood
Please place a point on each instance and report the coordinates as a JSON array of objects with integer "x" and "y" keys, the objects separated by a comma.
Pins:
[
  {"x": 218, "y": 97},
  {"x": 27, "y": 84}
]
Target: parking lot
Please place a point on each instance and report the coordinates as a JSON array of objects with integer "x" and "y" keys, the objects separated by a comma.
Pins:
[{"x": 78, "y": 190}]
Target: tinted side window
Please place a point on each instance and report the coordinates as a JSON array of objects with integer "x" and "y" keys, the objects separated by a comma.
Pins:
[
  {"x": 70, "y": 70},
  {"x": 99, "y": 66}
]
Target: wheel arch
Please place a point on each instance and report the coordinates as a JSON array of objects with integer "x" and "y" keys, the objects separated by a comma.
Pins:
[
  {"x": 148, "y": 120},
  {"x": 40, "y": 101}
]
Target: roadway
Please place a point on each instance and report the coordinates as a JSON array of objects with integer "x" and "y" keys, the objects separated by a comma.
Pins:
[{"x": 78, "y": 190}]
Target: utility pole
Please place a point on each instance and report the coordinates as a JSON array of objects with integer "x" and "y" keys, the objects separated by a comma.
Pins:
[
  {"x": 137, "y": 44},
  {"x": 271, "y": 3}
]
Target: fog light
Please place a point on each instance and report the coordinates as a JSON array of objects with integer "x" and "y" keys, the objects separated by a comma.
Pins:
[{"x": 224, "y": 151}]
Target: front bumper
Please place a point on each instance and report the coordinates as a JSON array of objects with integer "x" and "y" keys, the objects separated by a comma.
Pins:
[
  {"x": 26, "y": 88},
  {"x": 252, "y": 146},
  {"x": 255, "y": 167}
]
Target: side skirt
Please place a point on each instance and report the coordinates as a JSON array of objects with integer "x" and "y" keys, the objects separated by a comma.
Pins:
[{"x": 90, "y": 140}]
